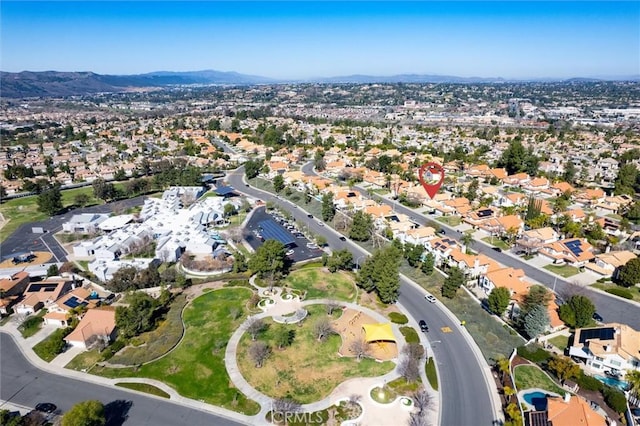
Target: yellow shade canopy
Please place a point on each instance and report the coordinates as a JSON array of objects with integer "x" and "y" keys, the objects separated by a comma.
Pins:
[{"x": 378, "y": 332}]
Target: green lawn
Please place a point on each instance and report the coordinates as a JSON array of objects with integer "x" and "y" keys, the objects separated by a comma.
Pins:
[
  {"x": 144, "y": 387},
  {"x": 530, "y": 376},
  {"x": 401, "y": 387},
  {"x": 308, "y": 370},
  {"x": 432, "y": 375},
  {"x": 32, "y": 324},
  {"x": 565, "y": 271},
  {"x": 560, "y": 342},
  {"x": 496, "y": 242},
  {"x": 195, "y": 369},
  {"x": 84, "y": 360},
  {"x": 153, "y": 344},
  {"x": 449, "y": 220},
  {"x": 319, "y": 284},
  {"x": 635, "y": 292}
]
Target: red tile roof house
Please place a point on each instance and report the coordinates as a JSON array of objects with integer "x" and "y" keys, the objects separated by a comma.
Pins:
[
  {"x": 11, "y": 289},
  {"x": 97, "y": 326},
  {"x": 41, "y": 294},
  {"x": 573, "y": 251},
  {"x": 59, "y": 312}
]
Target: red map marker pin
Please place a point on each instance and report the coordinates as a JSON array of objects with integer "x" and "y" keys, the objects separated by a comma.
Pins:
[{"x": 431, "y": 176}]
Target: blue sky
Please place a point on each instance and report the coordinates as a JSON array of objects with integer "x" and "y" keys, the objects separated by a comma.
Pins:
[{"x": 311, "y": 39}]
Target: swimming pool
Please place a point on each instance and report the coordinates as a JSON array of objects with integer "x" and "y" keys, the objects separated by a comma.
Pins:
[
  {"x": 613, "y": 382},
  {"x": 536, "y": 399}
]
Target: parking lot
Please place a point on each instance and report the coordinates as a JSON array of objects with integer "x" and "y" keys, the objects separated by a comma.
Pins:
[{"x": 302, "y": 248}]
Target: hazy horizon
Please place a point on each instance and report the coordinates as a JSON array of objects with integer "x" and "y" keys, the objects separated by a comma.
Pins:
[{"x": 309, "y": 40}]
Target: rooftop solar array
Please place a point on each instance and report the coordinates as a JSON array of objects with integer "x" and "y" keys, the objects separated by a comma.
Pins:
[
  {"x": 485, "y": 212},
  {"x": 538, "y": 418},
  {"x": 273, "y": 231},
  {"x": 224, "y": 190},
  {"x": 574, "y": 246},
  {"x": 597, "y": 333},
  {"x": 36, "y": 287}
]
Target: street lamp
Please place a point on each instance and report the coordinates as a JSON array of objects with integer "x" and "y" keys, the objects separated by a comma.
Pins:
[{"x": 358, "y": 261}]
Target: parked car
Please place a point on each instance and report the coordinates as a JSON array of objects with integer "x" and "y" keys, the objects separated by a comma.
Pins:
[
  {"x": 289, "y": 253},
  {"x": 597, "y": 317},
  {"x": 430, "y": 298},
  {"x": 343, "y": 238},
  {"x": 310, "y": 216},
  {"x": 423, "y": 326},
  {"x": 46, "y": 407},
  {"x": 441, "y": 232},
  {"x": 498, "y": 249}
]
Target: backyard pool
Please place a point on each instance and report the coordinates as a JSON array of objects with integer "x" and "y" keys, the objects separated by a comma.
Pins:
[
  {"x": 536, "y": 399},
  {"x": 613, "y": 382}
]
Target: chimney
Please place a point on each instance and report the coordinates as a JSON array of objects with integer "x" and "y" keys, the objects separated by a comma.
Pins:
[
  {"x": 567, "y": 397},
  {"x": 608, "y": 249}
]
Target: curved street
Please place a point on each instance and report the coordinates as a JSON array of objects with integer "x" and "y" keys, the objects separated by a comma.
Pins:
[
  {"x": 467, "y": 392},
  {"x": 25, "y": 384}
]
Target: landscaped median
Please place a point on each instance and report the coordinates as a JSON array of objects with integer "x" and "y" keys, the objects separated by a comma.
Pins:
[{"x": 196, "y": 367}]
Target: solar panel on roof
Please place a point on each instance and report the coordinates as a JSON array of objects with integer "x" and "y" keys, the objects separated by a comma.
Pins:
[
  {"x": 73, "y": 302},
  {"x": 273, "y": 231},
  {"x": 597, "y": 333},
  {"x": 224, "y": 190},
  {"x": 484, "y": 213}
]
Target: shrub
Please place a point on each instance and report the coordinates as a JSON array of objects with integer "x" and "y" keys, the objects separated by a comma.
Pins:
[
  {"x": 398, "y": 318},
  {"x": 615, "y": 399},
  {"x": 410, "y": 334},
  {"x": 588, "y": 382},
  {"x": 621, "y": 292},
  {"x": 53, "y": 345},
  {"x": 432, "y": 376},
  {"x": 534, "y": 353},
  {"x": 112, "y": 349}
]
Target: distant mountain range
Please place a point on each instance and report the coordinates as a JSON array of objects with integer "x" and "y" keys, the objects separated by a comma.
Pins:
[{"x": 53, "y": 83}]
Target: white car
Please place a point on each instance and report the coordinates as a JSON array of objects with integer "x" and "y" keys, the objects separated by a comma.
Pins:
[
  {"x": 290, "y": 252},
  {"x": 430, "y": 298}
]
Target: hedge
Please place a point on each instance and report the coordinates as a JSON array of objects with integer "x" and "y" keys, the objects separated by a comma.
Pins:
[
  {"x": 398, "y": 318},
  {"x": 621, "y": 292},
  {"x": 410, "y": 334},
  {"x": 534, "y": 353},
  {"x": 615, "y": 399},
  {"x": 589, "y": 382}
]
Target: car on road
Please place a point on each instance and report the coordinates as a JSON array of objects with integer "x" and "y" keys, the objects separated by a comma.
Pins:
[
  {"x": 320, "y": 223},
  {"x": 310, "y": 216},
  {"x": 430, "y": 298},
  {"x": 343, "y": 238},
  {"x": 441, "y": 232},
  {"x": 498, "y": 249},
  {"x": 423, "y": 326},
  {"x": 597, "y": 317},
  {"x": 46, "y": 407}
]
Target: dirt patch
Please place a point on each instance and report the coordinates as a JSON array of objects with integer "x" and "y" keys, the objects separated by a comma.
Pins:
[
  {"x": 349, "y": 326},
  {"x": 371, "y": 301},
  {"x": 40, "y": 258}
]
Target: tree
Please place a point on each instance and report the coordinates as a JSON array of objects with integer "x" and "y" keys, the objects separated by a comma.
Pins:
[
  {"x": 508, "y": 392},
  {"x": 81, "y": 199},
  {"x": 252, "y": 168},
  {"x": 229, "y": 210},
  {"x": 577, "y": 311},
  {"x": 278, "y": 183},
  {"x": 625, "y": 182},
  {"x": 570, "y": 171},
  {"x": 269, "y": 261},
  {"x": 498, "y": 300},
  {"x": 103, "y": 190},
  {"x": 137, "y": 317},
  {"x": 8, "y": 420},
  {"x": 536, "y": 321},
  {"x": 340, "y": 259},
  {"x": 467, "y": 240},
  {"x": 284, "y": 336},
  {"x": 514, "y": 158},
  {"x": 361, "y": 226},
  {"x": 615, "y": 399},
  {"x": 413, "y": 253},
  {"x": 322, "y": 329},
  {"x": 380, "y": 272},
  {"x": 259, "y": 352},
  {"x": 503, "y": 365},
  {"x": 428, "y": 264},
  {"x": 331, "y": 306},
  {"x": 537, "y": 295},
  {"x": 422, "y": 400},
  {"x": 50, "y": 201},
  {"x": 452, "y": 283},
  {"x": 359, "y": 348},
  {"x": 564, "y": 368},
  {"x": 86, "y": 413},
  {"x": 52, "y": 270},
  {"x": 239, "y": 262},
  {"x": 328, "y": 208},
  {"x": 629, "y": 274},
  {"x": 472, "y": 190},
  {"x": 255, "y": 327}
]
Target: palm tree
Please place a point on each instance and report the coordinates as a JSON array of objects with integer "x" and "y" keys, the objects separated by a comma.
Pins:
[
  {"x": 467, "y": 240},
  {"x": 633, "y": 378}
]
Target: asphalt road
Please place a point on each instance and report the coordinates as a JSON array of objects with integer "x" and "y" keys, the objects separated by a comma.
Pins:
[
  {"x": 24, "y": 384},
  {"x": 22, "y": 240},
  {"x": 610, "y": 308},
  {"x": 464, "y": 392}
]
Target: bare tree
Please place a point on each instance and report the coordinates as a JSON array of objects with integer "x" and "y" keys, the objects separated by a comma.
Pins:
[
  {"x": 188, "y": 198},
  {"x": 259, "y": 352},
  {"x": 285, "y": 405},
  {"x": 332, "y": 306},
  {"x": 235, "y": 234},
  {"x": 417, "y": 420},
  {"x": 422, "y": 400},
  {"x": 359, "y": 348},
  {"x": 409, "y": 369},
  {"x": 255, "y": 327},
  {"x": 322, "y": 329},
  {"x": 413, "y": 351},
  {"x": 572, "y": 289}
]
